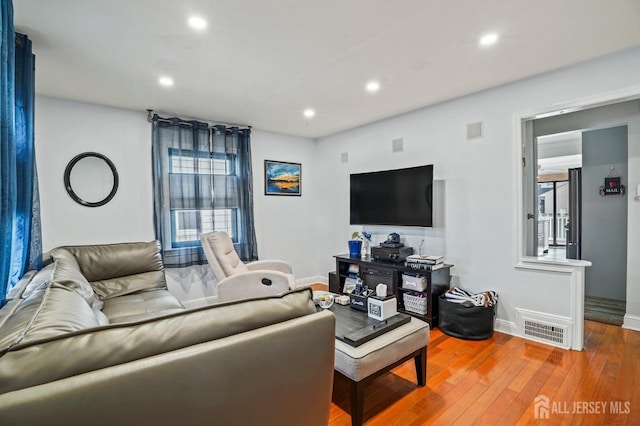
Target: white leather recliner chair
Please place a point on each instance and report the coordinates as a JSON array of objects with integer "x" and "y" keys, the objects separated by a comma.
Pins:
[{"x": 238, "y": 280}]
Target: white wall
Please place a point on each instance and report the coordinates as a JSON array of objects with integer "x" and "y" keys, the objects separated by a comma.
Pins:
[
  {"x": 604, "y": 218},
  {"x": 284, "y": 225},
  {"x": 476, "y": 177},
  {"x": 64, "y": 129}
]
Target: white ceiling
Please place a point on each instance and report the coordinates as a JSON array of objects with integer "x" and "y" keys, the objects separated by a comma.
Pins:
[
  {"x": 262, "y": 62},
  {"x": 559, "y": 152}
]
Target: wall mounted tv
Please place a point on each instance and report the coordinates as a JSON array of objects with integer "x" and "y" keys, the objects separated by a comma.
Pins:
[{"x": 392, "y": 197}]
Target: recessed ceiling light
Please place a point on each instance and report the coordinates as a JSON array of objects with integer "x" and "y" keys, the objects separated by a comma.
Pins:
[
  {"x": 197, "y": 23},
  {"x": 373, "y": 86},
  {"x": 488, "y": 39},
  {"x": 309, "y": 113},
  {"x": 165, "y": 81}
]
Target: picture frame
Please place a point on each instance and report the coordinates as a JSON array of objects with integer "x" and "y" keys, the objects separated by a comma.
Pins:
[{"x": 282, "y": 178}]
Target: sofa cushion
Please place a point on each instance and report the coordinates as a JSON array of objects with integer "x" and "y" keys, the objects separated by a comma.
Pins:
[
  {"x": 117, "y": 287},
  {"x": 39, "y": 280},
  {"x": 62, "y": 312},
  {"x": 118, "y": 269},
  {"x": 142, "y": 305},
  {"x": 36, "y": 362},
  {"x": 48, "y": 312},
  {"x": 17, "y": 290},
  {"x": 66, "y": 272}
]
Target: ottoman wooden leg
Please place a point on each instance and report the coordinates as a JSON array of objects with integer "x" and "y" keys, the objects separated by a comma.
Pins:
[
  {"x": 421, "y": 367},
  {"x": 356, "y": 394}
]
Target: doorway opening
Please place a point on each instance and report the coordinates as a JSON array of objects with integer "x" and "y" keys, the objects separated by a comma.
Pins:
[
  {"x": 553, "y": 213},
  {"x": 556, "y": 155},
  {"x": 594, "y": 143}
]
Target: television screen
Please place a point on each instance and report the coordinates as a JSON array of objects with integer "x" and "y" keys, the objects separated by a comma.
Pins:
[{"x": 392, "y": 197}]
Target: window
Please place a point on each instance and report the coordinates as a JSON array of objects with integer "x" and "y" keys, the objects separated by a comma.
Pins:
[
  {"x": 203, "y": 182},
  {"x": 188, "y": 223}
]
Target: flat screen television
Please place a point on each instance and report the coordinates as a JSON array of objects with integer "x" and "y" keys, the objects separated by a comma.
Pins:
[{"x": 392, "y": 197}]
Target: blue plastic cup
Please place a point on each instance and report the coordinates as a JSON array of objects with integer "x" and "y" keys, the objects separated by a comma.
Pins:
[{"x": 355, "y": 247}]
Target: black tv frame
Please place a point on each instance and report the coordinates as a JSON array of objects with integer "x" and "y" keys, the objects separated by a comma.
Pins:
[{"x": 395, "y": 197}]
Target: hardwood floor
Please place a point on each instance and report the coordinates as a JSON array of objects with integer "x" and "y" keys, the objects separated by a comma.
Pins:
[{"x": 496, "y": 381}]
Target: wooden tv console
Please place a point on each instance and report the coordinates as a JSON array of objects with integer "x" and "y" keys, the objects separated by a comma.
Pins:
[{"x": 374, "y": 272}]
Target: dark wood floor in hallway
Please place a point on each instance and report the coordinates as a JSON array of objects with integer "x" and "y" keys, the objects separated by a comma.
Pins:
[{"x": 496, "y": 381}]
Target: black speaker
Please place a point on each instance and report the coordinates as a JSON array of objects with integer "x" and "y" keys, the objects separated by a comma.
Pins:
[{"x": 334, "y": 283}]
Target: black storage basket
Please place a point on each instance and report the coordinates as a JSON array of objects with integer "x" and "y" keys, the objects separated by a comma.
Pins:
[{"x": 466, "y": 322}]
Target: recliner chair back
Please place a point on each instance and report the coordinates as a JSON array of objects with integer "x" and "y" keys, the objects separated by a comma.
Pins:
[{"x": 222, "y": 257}]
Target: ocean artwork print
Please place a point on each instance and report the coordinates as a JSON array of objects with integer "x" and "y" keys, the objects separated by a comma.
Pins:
[{"x": 282, "y": 178}]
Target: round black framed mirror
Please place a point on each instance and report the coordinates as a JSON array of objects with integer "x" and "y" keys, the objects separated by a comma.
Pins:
[{"x": 91, "y": 179}]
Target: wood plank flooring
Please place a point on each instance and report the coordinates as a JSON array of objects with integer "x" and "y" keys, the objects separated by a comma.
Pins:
[{"x": 496, "y": 381}]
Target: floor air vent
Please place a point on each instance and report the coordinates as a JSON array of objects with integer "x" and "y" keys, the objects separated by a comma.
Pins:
[{"x": 545, "y": 328}]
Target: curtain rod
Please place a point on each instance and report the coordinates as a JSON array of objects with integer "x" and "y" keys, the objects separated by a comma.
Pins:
[{"x": 210, "y": 123}]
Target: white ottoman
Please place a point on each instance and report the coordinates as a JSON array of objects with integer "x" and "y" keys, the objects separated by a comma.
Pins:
[{"x": 362, "y": 364}]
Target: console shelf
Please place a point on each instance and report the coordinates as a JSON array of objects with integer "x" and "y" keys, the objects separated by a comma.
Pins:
[{"x": 374, "y": 272}]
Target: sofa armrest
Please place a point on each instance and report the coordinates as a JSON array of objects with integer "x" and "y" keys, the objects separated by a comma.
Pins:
[
  {"x": 275, "y": 265},
  {"x": 253, "y": 284},
  {"x": 190, "y": 385}
]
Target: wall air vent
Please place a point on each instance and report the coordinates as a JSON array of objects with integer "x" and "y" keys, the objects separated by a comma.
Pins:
[
  {"x": 544, "y": 328},
  {"x": 397, "y": 145},
  {"x": 552, "y": 333},
  {"x": 474, "y": 130}
]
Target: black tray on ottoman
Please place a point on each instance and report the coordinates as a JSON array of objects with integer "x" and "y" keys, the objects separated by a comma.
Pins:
[{"x": 355, "y": 327}]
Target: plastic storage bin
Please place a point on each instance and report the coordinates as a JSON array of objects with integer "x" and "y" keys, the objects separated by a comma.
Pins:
[
  {"x": 411, "y": 282},
  {"x": 416, "y": 303},
  {"x": 466, "y": 322},
  {"x": 358, "y": 302}
]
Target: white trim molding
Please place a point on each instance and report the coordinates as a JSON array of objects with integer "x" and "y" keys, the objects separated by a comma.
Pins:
[
  {"x": 507, "y": 327},
  {"x": 632, "y": 322},
  {"x": 306, "y": 282}
]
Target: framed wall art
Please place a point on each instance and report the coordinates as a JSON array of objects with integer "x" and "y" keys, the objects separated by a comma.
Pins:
[{"x": 282, "y": 178}]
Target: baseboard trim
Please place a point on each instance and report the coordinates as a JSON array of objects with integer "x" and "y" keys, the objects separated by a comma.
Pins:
[
  {"x": 507, "y": 327},
  {"x": 305, "y": 282},
  {"x": 632, "y": 322}
]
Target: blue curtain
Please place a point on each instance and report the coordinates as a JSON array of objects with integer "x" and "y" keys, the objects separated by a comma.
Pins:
[
  {"x": 20, "y": 208},
  {"x": 202, "y": 182},
  {"x": 247, "y": 246},
  {"x": 27, "y": 236}
]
